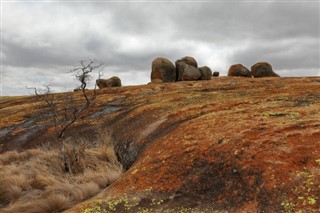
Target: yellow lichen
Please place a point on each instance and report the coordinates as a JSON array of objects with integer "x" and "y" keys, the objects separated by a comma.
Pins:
[
  {"x": 311, "y": 200},
  {"x": 134, "y": 171},
  {"x": 95, "y": 209}
]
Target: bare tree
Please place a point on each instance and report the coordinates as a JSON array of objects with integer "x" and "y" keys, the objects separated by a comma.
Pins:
[{"x": 65, "y": 110}]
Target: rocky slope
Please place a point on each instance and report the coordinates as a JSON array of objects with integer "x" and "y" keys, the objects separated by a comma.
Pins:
[{"x": 224, "y": 145}]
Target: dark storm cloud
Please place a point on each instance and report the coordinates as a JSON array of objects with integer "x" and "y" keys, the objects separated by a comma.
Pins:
[{"x": 41, "y": 41}]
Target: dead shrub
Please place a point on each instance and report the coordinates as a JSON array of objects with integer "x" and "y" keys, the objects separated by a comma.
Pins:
[{"x": 73, "y": 157}]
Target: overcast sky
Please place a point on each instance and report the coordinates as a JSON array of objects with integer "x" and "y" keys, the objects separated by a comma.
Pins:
[{"x": 41, "y": 41}]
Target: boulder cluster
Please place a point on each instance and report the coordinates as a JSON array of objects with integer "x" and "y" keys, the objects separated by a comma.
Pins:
[
  {"x": 258, "y": 70},
  {"x": 185, "y": 69}
]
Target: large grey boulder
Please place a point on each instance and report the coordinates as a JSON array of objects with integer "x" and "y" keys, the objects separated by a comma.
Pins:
[
  {"x": 263, "y": 69},
  {"x": 163, "y": 69},
  {"x": 206, "y": 73},
  {"x": 239, "y": 70},
  {"x": 180, "y": 65}
]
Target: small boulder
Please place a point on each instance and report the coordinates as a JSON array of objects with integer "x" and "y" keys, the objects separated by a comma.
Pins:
[
  {"x": 206, "y": 73},
  {"x": 263, "y": 69},
  {"x": 239, "y": 70},
  {"x": 163, "y": 69},
  {"x": 111, "y": 82},
  {"x": 190, "y": 73},
  {"x": 215, "y": 74},
  {"x": 180, "y": 65}
]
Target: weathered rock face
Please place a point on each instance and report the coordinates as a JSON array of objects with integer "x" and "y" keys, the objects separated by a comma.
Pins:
[
  {"x": 215, "y": 74},
  {"x": 263, "y": 69},
  {"x": 180, "y": 65},
  {"x": 183, "y": 153},
  {"x": 163, "y": 69},
  {"x": 239, "y": 70},
  {"x": 190, "y": 73},
  {"x": 111, "y": 82},
  {"x": 206, "y": 73}
]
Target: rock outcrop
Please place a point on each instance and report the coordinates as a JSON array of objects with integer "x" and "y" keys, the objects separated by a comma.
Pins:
[
  {"x": 163, "y": 69},
  {"x": 178, "y": 145},
  {"x": 239, "y": 70},
  {"x": 206, "y": 73},
  {"x": 111, "y": 82},
  {"x": 263, "y": 69}
]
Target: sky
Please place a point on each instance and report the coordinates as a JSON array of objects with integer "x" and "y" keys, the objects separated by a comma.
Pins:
[{"x": 42, "y": 40}]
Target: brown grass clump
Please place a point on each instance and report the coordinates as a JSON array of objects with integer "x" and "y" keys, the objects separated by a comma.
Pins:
[
  {"x": 12, "y": 156},
  {"x": 36, "y": 180},
  {"x": 53, "y": 203}
]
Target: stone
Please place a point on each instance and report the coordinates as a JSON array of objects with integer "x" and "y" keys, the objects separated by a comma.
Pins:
[
  {"x": 262, "y": 69},
  {"x": 215, "y": 74},
  {"x": 181, "y": 62},
  {"x": 179, "y": 70},
  {"x": 190, "y": 73},
  {"x": 163, "y": 69},
  {"x": 239, "y": 70},
  {"x": 111, "y": 82},
  {"x": 206, "y": 73}
]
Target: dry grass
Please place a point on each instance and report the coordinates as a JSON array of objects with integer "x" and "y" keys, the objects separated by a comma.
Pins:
[{"x": 36, "y": 180}]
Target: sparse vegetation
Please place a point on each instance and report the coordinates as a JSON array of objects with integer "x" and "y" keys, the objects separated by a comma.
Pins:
[
  {"x": 65, "y": 111},
  {"x": 35, "y": 180}
]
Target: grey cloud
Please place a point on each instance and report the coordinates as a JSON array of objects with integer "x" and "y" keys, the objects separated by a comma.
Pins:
[
  {"x": 289, "y": 54},
  {"x": 50, "y": 38}
]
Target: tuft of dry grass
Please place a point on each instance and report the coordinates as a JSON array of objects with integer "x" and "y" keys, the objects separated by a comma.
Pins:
[
  {"x": 53, "y": 203},
  {"x": 36, "y": 181},
  {"x": 12, "y": 156}
]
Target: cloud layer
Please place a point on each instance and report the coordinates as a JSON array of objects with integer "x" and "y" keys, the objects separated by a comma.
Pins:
[{"x": 41, "y": 41}]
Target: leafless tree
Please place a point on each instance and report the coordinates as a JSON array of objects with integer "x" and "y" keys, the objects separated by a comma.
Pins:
[{"x": 65, "y": 110}]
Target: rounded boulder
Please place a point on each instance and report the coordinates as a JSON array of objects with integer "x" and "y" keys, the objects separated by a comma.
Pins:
[
  {"x": 163, "y": 69},
  {"x": 239, "y": 70},
  {"x": 215, "y": 74},
  {"x": 206, "y": 73},
  {"x": 110, "y": 82},
  {"x": 262, "y": 69},
  {"x": 180, "y": 65},
  {"x": 190, "y": 73}
]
